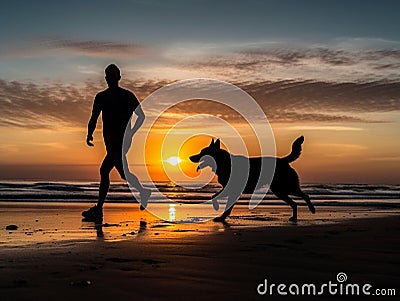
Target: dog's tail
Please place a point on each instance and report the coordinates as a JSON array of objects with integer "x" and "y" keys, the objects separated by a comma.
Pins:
[{"x": 296, "y": 150}]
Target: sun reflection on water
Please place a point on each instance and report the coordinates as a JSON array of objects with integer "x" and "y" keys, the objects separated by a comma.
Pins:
[{"x": 172, "y": 212}]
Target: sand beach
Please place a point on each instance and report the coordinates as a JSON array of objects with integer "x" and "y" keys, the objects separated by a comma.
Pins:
[{"x": 133, "y": 255}]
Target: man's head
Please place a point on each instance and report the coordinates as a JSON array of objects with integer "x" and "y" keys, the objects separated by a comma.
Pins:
[{"x": 113, "y": 75}]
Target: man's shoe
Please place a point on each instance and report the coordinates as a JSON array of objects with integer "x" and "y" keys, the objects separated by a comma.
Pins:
[{"x": 93, "y": 213}]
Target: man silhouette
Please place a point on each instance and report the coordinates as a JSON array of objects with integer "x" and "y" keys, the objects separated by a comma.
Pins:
[{"x": 117, "y": 106}]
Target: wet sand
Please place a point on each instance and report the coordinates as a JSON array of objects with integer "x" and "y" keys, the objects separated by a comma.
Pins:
[{"x": 133, "y": 255}]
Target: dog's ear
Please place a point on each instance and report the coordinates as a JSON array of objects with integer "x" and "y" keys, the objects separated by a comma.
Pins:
[
  {"x": 212, "y": 143},
  {"x": 217, "y": 144}
]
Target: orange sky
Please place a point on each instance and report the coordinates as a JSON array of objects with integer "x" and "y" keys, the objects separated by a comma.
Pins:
[{"x": 334, "y": 152}]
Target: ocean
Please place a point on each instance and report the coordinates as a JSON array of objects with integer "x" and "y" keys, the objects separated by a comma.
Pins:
[{"x": 321, "y": 194}]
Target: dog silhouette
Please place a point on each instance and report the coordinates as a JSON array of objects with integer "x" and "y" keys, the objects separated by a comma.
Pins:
[{"x": 239, "y": 174}]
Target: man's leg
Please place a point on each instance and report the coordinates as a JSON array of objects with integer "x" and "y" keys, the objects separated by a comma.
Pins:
[
  {"x": 105, "y": 169},
  {"x": 95, "y": 213},
  {"x": 124, "y": 172},
  {"x": 123, "y": 169}
]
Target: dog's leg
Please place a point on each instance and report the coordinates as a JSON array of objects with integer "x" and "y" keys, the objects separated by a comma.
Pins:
[
  {"x": 292, "y": 204},
  {"x": 223, "y": 216},
  {"x": 216, "y": 196},
  {"x": 228, "y": 209},
  {"x": 307, "y": 199},
  {"x": 215, "y": 204},
  {"x": 214, "y": 200}
]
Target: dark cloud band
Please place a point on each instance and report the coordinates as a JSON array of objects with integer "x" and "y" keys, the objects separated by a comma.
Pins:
[{"x": 35, "y": 106}]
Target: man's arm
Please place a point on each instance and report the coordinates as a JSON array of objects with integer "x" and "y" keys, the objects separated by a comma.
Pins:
[
  {"x": 93, "y": 121},
  {"x": 139, "y": 120},
  {"x": 131, "y": 131}
]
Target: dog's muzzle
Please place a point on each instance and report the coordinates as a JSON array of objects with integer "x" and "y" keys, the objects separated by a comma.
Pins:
[
  {"x": 195, "y": 158},
  {"x": 201, "y": 165},
  {"x": 207, "y": 161}
]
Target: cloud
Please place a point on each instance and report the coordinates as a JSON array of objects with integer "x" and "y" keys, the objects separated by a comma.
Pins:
[
  {"x": 324, "y": 128},
  {"x": 389, "y": 159},
  {"x": 304, "y": 101},
  {"x": 274, "y": 113},
  {"x": 299, "y": 56},
  {"x": 312, "y": 63},
  {"x": 94, "y": 47},
  {"x": 329, "y": 97},
  {"x": 52, "y": 105},
  {"x": 39, "y": 47}
]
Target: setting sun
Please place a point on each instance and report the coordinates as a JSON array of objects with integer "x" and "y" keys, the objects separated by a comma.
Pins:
[{"x": 173, "y": 160}]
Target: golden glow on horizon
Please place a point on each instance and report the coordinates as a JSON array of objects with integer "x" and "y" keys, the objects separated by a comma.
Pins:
[
  {"x": 177, "y": 163},
  {"x": 174, "y": 160},
  {"x": 330, "y": 154}
]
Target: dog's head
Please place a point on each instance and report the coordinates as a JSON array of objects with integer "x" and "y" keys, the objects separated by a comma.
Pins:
[{"x": 207, "y": 156}]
